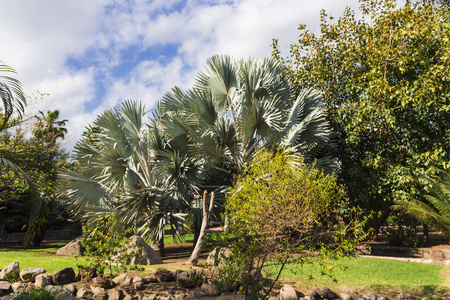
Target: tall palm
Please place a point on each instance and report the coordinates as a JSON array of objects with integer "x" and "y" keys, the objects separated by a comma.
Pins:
[
  {"x": 48, "y": 128},
  {"x": 239, "y": 105},
  {"x": 435, "y": 212},
  {"x": 124, "y": 168}
]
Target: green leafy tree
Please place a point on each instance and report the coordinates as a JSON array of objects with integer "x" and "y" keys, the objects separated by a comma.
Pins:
[
  {"x": 48, "y": 128},
  {"x": 385, "y": 81}
]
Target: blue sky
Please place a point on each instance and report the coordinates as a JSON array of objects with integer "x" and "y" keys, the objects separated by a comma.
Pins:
[{"x": 91, "y": 55}]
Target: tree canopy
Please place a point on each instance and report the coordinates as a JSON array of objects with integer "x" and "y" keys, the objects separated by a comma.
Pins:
[{"x": 385, "y": 80}]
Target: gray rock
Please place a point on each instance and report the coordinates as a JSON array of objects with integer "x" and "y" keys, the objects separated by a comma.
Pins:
[
  {"x": 197, "y": 292},
  {"x": 72, "y": 248},
  {"x": 150, "y": 279},
  {"x": 72, "y": 288},
  {"x": 60, "y": 292},
  {"x": 5, "y": 287},
  {"x": 21, "y": 287},
  {"x": 29, "y": 274},
  {"x": 138, "y": 283},
  {"x": 210, "y": 289},
  {"x": 101, "y": 296},
  {"x": 114, "y": 294},
  {"x": 358, "y": 297},
  {"x": 97, "y": 290},
  {"x": 348, "y": 291},
  {"x": 368, "y": 296},
  {"x": 288, "y": 292},
  {"x": 345, "y": 296},
  {"x": 187, "y": 279},
  {"x": 42, "y": 280},
  {"x": 382, "y": 297},
  {"x": 322, "y": 293},
  {"x": 145, "y": 255},
  {"x": 102, "y": 282},
  {"x": 150, "y": 297},
  {"x": 65, "y": 276},
  {"x": 405, "y": 296},
  {"x": 123, "y": 279},
  {"x": 10, "y": 272},
  {"x": 84, "y": 294},
  {"x": 218, "y": 254},
  {"x": 8, "y": 297},
  {"x": 164, "y": 275}
]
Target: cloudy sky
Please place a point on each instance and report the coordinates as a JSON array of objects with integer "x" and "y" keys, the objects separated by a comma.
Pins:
[{"x": 91, "y": 55}]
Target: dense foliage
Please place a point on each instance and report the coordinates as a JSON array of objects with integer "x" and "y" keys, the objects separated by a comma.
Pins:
[
  {"x": 280, "y": 209},
  {"x": 385, "y": 81}
]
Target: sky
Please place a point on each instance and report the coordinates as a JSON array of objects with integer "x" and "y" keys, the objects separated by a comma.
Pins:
[{"x": 89, "y": 56}]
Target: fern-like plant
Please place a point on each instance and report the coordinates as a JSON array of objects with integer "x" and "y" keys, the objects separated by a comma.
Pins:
[{"x": 436, "y": 211}]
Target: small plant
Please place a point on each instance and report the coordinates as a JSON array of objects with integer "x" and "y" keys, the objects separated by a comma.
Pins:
[
  {"x": 107, "y": 248},
  {"x": 401, "y": 230},
  {"x": 37, "y": 294}
]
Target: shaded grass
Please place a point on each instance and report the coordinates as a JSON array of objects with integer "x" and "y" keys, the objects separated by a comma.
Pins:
[{"x": 373, "y": 275}]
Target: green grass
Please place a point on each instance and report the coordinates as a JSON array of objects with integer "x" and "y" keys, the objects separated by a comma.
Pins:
[
  {"x": 374, "y": 275},
  {"x": 41, "y": 258}
]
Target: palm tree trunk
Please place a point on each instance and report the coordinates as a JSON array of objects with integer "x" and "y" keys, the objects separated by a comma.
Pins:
[
  {"x": 158, "y": 246},
  {"x": 201, "y": 238}
]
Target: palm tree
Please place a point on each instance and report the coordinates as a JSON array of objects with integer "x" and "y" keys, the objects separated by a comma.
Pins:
[
  {"x": 48, "y": 128},
  {"x": 235, "y": 107},
  {"x": 11, "y": 94},
  {"x": 238, "y": 106},
  {"x": 125, "y": 169},
  {"x": 435, "y": 212}
]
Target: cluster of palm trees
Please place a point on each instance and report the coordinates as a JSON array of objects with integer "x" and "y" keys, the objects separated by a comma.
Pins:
[{"x": 201, "y": 139}]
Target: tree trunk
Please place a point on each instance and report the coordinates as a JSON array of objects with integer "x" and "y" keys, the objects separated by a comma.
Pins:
[
  {"x": 425, "y": 232},
  {"x": 376, "y": 222},
  {"x": 158, "y": 246},
  {"x": 201, "y": 238}
]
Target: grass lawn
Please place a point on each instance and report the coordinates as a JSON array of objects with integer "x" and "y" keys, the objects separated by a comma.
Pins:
[{"x": 374, "y": 275}]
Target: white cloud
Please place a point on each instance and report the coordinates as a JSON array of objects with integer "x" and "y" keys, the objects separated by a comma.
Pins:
[{"x": 39, "y": 38}]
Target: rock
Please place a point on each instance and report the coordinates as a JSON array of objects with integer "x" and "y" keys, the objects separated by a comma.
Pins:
[
  {"x": 102, "y": 282},
  {"x": 101, "y": 296},
  {"x": 368, "y": 296},
  {"x": 405, "y": 296},
  {"x": 218, "y": 254},
  {"x": 381, "y": 297},
  {"x": 348, "y": 291},
  {"x": 114, "y": 294},
  {"x": 84, "y": 294},
  {"x": 357, "y": 297},
  {"x": 5, "y": 287},
  {"x": 9, "y": 297},
  {"x": 150, "y": 297},
  {"x": 72, "y": 248},
  {"x": 29, "y": 274},
  {"x": 97, "y": 290},
  {"x": 71, "y": 288},
  {"x": 21, "y": 287},
  {"x": 42, "y": 280},
  {"x": 345, "y": 296},
  {"x": 10, "y": 272},
  {"x": 187, "y": 279},
  {"x": 164, "y": 275},
  {"x": 288, "y": 292},
  {"x": 138, "y": 283},
  {"x": 123, "y": 279},
  {"x": 87, "y": 274},
  {"x": 60, "y": 292},
  {"x": 197, "y": 292},
  {"x": 150, "y": 279},
  {"x": 322, "y": 293},
  {"x": 65, "y": 276},
  {"x": 210, "y": 289},
  {"x": 145, "y": 254}
]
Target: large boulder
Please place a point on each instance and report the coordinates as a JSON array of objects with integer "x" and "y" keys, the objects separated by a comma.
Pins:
[
  {"x": 145, "y": 255},
  {"x": 288, "y": 292},
  {"x": 65, "y": 276},
  {"x": 123, "y": 279},
  {"x": 322, "y": 293},
  {"x": 10, "y": 272},
  {"x": 60, "y": 292},
  {"x": 29, "y": 274},
  {"x": 210, "y": 289},
  {"x": 74, "y": 247},
  {"x": 5, "y": 288},
  {"x": 187, "y": 279}
]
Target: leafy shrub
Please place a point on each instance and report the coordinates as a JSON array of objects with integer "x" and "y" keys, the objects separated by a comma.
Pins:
[
  {"x": 107, "y": 248},
  {"x": 401, "y": 230},
  {"x": 37, "y": 294},
  {"x": 281, "y": 212}
]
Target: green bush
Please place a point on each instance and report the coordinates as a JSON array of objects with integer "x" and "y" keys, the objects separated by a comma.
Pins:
[
  {"x": 281, "y": 211},
  {"x": 37, "y": 294}
]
